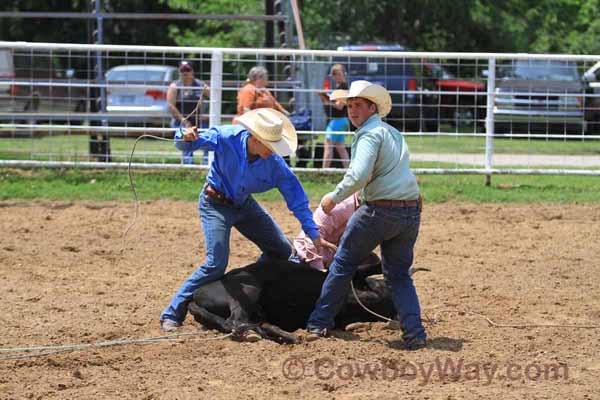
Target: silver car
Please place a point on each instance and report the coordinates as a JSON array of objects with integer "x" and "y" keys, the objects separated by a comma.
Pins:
[
  {"x": 138, "y": 93},
  {"x": 539, "y": 96}
]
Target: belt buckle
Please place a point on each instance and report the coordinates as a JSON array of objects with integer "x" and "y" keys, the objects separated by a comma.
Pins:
[{"x": 215, "y": 194}]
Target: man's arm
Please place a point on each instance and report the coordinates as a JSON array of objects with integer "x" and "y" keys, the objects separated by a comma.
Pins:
[
  {"x": 297, "y": 201},
  {"x": 360, "y": 171},
  {"x": 191, "y": 139},
  {"x": 206, "y": 91},
  {"x": 172, "y": 101}
]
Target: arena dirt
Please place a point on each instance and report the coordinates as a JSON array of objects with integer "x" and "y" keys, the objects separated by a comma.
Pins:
[{"x": 64, "y": 281}]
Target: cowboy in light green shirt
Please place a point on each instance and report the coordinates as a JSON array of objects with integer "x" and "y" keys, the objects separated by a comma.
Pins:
[
  {"x": 389, "y": 217},
  {"x": 379, "y": 165},
  {"x": 380, "y": 160}
]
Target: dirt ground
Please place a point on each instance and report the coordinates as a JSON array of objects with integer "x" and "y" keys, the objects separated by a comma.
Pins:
[{"x": 63, "y": 281}]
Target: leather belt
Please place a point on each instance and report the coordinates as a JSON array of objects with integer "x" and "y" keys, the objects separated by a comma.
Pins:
[
  {"x": 394, "y": 203},
  {"x": 216, "y": 195},
  {"x": 398, "y": 203}
]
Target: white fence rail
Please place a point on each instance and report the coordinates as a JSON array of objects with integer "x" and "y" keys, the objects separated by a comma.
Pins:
[{"x": 481, "y": 113}]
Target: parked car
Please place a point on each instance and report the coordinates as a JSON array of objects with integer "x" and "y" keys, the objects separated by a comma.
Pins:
[
  {"x": 7, "y": 73},
  {"x": 138, "y": 93},
  {"x": 48, "y": 90},
  {"x": 414, "y": 109},
  {"x": 539, "y": 96},
  {"x": 461, "y": 101},
  {"x": 591, "y": 79}
]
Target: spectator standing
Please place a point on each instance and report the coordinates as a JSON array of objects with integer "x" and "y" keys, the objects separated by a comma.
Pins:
[
  {"x": 185, "y": 102},
  {"x": 336, "y": 110}
]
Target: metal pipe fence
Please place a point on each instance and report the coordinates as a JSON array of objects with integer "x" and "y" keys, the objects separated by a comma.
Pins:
[{"x": 461, "y": 113}]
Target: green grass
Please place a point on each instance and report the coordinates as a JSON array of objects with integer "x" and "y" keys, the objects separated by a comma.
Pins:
[
  {"x": 73, "y": 184},
  {"x": 76, "y": 147}
]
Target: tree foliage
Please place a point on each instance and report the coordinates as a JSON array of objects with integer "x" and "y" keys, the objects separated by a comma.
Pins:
[
  {"x": 219, "y": 33},
  {"x": 71, "y": 30},
  {"x": 536, "y": 26},
  {"x": 568, "y": 26}
]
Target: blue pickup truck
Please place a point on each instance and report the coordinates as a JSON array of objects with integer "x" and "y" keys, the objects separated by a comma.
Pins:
[{"x": 414, "y": 109}]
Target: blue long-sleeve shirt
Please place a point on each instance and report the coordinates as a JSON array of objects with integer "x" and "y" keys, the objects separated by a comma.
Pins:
[{"x": 235, "y": 176}]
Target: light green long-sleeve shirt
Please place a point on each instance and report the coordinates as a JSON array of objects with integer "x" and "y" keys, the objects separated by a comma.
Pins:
[{"x": 379, "y": 165}]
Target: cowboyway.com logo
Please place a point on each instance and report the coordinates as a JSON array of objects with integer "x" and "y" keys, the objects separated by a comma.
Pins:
[{"x": 441, "y": 370}]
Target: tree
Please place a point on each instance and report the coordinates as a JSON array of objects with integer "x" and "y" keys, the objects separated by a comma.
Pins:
[
  {"x": 72, "y": 30},
  {"x": 219, "y": 33}
]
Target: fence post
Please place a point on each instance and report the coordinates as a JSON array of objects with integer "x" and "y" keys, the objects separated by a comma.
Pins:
[
  {"x": 100, "y": 142},
  {"x": 489, "y": 119},
  {"x": 216, "y": 89}
]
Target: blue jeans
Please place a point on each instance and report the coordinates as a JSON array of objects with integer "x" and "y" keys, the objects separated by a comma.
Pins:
[
  {"x": 396, "y": 230},
  {"x": 187, "y": 157},
  {"x": 217, "y": 220}
]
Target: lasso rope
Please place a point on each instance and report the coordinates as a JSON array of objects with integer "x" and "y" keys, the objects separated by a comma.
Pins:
[
  {"x": 135, "y": 196},
  {"x": 51, "y": 350},
  {"x": 456, "y": 310}
]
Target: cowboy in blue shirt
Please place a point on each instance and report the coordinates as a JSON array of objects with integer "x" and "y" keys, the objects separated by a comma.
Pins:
[{"x": 247, "y": 159}]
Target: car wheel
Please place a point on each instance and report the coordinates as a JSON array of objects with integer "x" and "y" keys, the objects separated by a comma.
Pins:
[
  {"x": 501, "y": 127},
  {"x": 430, "y": 125},
  {"x": 593, "y": 126}
]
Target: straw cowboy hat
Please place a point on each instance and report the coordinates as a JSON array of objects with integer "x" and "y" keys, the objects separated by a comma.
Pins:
[
  {"x": 367, "y": 90},
  {"x": 271, "y": 128}
]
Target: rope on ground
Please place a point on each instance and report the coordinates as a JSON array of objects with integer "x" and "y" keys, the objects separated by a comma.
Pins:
[
  {"x": 52, "y": 350},
  {"x": 456, "y": 310},
  {"x": 515, "y": 326}
]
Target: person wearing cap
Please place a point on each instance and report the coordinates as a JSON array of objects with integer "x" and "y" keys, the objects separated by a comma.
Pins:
[
  {"x": 254, "y": 93},
  {"x": 247, "y": 159},
  {"x": 184, "y": 97},
  {"x": 389, "y": 215}
]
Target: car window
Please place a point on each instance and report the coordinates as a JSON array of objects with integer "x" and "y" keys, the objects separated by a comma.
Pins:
[
  {"x": 6, "y": 64},
  {"x": 135, "y": 75},
  {"x": 436, "y": 71},
  {"x": 540, "y": 70},
  {"x": 375, "y": 66}
]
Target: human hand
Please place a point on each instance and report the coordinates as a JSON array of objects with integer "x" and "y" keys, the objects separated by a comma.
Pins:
[
  {"x": 318, "y": 243},
  {"x": 329, "y": 245},
  {"x": 327, "y": 203},
  {"x": 190, "y": 134}
]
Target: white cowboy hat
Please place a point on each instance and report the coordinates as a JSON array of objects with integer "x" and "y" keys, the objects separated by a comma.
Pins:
[
  {"x": 367, "y": 90},
  {"x": 271, "y": 128}
]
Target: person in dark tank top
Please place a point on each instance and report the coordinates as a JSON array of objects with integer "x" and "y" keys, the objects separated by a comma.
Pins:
[{"x": 185, "y": 102}]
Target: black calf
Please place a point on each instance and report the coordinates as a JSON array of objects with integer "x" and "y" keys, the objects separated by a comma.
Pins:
[{"x": 275, "y": 297}]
